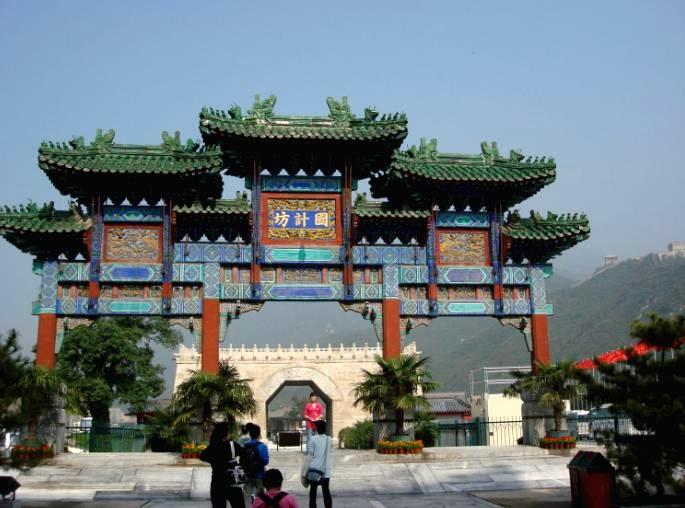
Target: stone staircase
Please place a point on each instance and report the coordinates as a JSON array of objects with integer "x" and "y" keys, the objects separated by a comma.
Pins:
[{"x": 364, "y": 472}]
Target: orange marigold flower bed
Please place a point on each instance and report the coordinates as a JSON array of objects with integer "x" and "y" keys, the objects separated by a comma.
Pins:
[
  {"x": 400, "y": 447},
  {"x": 558, "y": 443},
  {"x": 192, "y": 450}
]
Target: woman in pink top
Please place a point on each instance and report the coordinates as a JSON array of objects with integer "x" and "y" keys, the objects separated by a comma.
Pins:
[
  {"x": 313, "y": 412},
  {"x": 273, "y": 497}
]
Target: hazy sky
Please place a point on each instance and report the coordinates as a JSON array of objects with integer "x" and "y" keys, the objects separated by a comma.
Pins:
[{"x": 600, "y": 86}]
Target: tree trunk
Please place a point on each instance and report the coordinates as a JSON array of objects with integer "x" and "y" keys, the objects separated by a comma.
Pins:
[
  {"x": 206, "y": 419},
  {"x": 558, "y": 415},
  {"x": 99, "y": 412},
  {"x": 399, "y": 422}
]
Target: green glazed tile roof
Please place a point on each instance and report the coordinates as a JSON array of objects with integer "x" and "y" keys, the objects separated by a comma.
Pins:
[
  {"x": 239, "y": 206},
  {"x": 341, "y": 124},
  {"x": 45, "y": 219},
  {"x": 553, "y": 227},
  {"x": 420, "y": 177},
  {"x": 45, "y": 232},
  {"x": 538, "y": 239},
  {"x": 381, "y": 210},
  {"x": 104, "y": 156},
  {"x": 488, "y": 167}
]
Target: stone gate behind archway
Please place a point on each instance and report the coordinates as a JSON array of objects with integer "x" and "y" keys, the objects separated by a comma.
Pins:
[{"x": 333, "y": 369}]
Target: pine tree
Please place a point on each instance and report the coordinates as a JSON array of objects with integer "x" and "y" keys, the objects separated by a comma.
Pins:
[
  {"x": 650, "y": 390},
  {"x": 13, "y": 368}
]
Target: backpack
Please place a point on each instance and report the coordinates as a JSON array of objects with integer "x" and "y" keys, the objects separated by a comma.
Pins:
[
  {"x": 235, "y": 475},
  {"x": 251, "y": 460},
  {"x": 274, "y": 502}
]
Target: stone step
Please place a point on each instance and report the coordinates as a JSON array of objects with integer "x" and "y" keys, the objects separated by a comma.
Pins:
[{"x": 102, "y": 495}]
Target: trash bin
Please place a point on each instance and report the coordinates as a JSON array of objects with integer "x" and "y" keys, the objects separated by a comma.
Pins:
[{"x": 592, "y": 480}]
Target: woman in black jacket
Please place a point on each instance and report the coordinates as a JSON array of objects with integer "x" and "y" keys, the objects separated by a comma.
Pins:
[{"x": 219, "y": 455}]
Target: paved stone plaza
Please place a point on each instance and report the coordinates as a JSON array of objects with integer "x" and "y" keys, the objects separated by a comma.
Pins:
[{"x": 442, "y": 477}]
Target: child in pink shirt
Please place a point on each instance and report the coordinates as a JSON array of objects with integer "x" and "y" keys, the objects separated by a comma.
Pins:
[{"x": 273, "y": 497}]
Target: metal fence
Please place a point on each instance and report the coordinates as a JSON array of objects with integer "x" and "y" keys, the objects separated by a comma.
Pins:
[
  {"x": 107, "y": 439},
  {"x": 591, "y": 428},
  {"x": 509, "y": 431},
  {"x": 478, "y": 432}
]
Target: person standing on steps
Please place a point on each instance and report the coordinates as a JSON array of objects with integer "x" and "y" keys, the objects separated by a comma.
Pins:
[
  {"x": 255, "y": 457},
  {"x": 313, "y": 412},
  {"x": 321, "y": 447},
  {"x": 222, "y": 454}
]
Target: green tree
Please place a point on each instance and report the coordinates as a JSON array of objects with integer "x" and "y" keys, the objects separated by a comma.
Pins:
[
  {"x": 13, "y": 368},
  {"x": 552, "y": 384},
  {"x": 395, "y": 387},
  {"x": 651, "y": 392},
  {"x": 112, "y": 360},
  {"x": 203, "y": 398}
]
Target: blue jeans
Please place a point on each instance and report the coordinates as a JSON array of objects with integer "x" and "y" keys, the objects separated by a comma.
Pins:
[{"x": 310, "y": 433}]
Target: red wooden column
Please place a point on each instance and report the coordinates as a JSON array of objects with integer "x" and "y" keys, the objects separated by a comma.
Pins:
[
  {"x": 431, "y": 242},
  {"x": 255, "y": 269},
  {"x": 47, "y": 336},
  {"x": 391, "y": 328},
  {"x": 540, "y": 339},
  {"x": 211, "y": 325},
  {"x": 348, "y": 276}
]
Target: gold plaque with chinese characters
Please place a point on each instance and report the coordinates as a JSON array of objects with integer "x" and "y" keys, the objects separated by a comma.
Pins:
[{"x": 301, "y": 219}]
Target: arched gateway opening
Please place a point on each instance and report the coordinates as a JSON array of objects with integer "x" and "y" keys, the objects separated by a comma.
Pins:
[
  {"x": 332, "y": 370},
  {"x": 285, "y": 407}
]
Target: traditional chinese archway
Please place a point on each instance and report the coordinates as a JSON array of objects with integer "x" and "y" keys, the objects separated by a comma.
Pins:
[{"x": 156, "y": 239}]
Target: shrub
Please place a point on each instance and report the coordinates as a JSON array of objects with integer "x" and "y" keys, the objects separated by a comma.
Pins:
[
  {"x": 359, "y": 436},
  {"x": 425, "y": 428}
]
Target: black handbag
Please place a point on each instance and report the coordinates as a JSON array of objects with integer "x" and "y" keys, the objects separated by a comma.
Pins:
[{"x": 314, "y": 475}]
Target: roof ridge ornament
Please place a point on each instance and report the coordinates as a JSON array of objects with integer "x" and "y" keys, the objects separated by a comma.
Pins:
[
  {"x": 489, "y": 151},
  {"x": 78, "y": 143},
  {"x": 370, "y": 114},
  {"x": 340, "y": 112},
  {"x": 426, "y": 150},
  {"x": 515, "y": 155},
  {"x": 173, "y": 144},
  {"x": 103, "y": 141},
  {"x": 235, "y": 112},
  {"x": 261, "y": 109},
  {"x": 31, "y": 208},
  {"x": 535, "y": 216}
]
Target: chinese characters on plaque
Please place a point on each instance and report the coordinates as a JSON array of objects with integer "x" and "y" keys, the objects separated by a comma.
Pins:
[{"x": 306, "y": 219}]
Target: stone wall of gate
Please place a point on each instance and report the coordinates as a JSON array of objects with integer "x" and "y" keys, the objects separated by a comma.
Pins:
[{"x": 334, "y": 369}]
